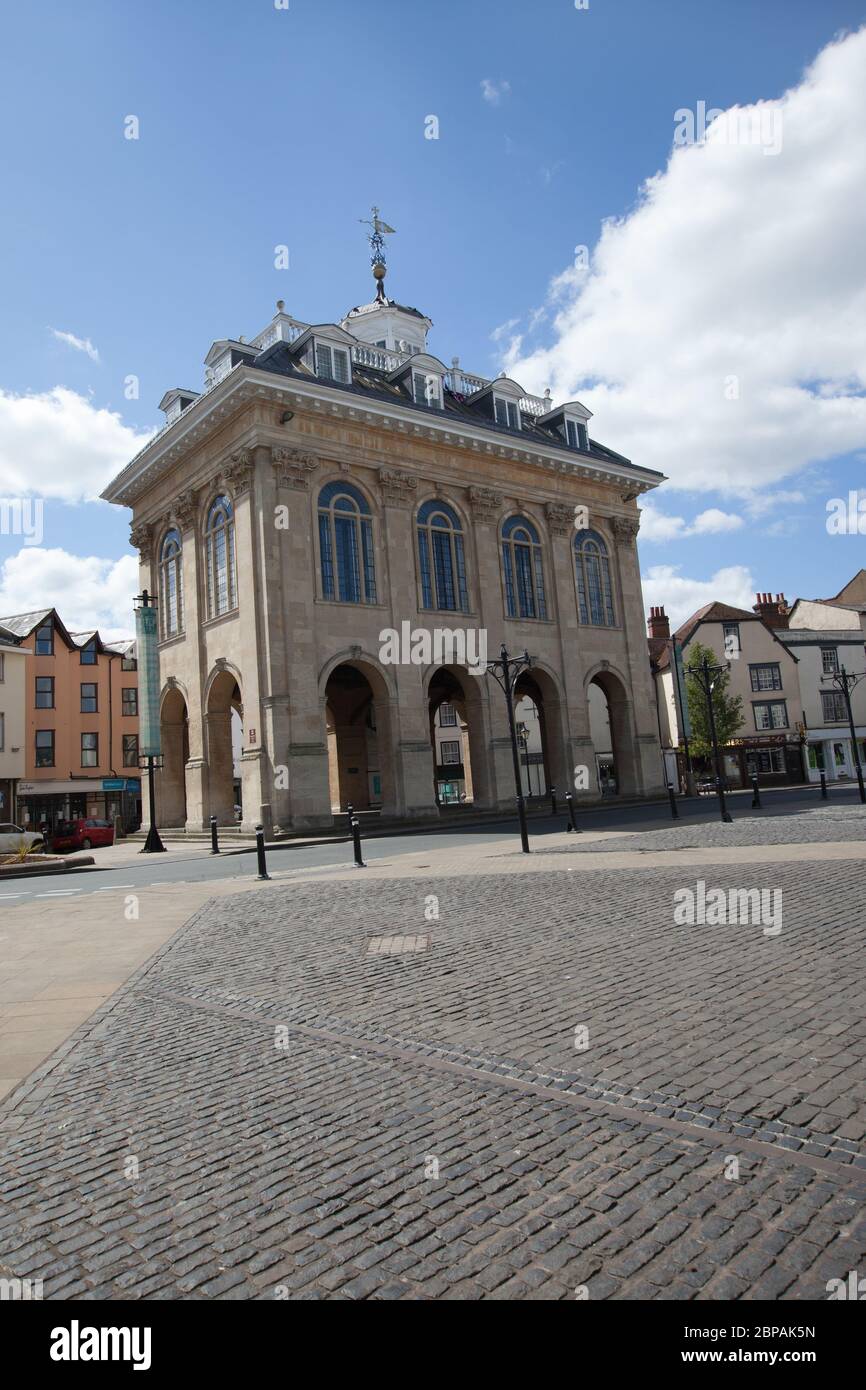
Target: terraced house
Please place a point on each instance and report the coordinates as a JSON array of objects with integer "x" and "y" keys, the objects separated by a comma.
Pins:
[
  {"x": 78, "y": 727},
  {"x": 334, "y": 481}
]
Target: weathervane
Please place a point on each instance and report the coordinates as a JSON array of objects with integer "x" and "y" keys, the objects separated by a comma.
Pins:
[{"x": 377, "y": 247}]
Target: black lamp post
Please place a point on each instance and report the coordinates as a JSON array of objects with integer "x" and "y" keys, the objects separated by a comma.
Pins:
[
  {"x": 846, "y": 681},
  {"x": 707, "y": 674},
  {"x": 150, "y": 761},
  {"x": 506, "y": 671}
]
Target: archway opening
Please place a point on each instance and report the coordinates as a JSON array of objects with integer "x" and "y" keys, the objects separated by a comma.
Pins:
[
  {"x": 454, "y": 728},
  {"x": 353, "y": 720},
  {"x": 530, "y": 723},
  {"x": 224, "y": 711},
  {"x": 610, "y": 724},
  {"x": 174, "y": 739},
  {"x": 601, "y": 733}
]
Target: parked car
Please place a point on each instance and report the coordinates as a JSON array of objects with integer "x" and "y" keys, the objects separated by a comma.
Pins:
[
  {"x": 82, "y": 834},
  {"x": 13, "y": 838}
]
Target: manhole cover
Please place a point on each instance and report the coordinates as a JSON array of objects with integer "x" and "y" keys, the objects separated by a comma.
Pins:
[{"x": 398, "y": 945}]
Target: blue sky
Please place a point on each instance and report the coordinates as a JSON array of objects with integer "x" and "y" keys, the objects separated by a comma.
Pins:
[{"x": 261, "y": 126}]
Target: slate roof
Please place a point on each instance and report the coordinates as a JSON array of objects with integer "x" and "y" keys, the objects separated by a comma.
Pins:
[
  {"x": 710, "y": 613},
  {"x": 22, "y": 624},
  {"x": 370, "y": 382}
]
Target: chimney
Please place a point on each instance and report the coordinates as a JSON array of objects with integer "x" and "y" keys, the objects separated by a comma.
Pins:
[
  {"x": 773, "y": 611},
  {"x": 659, "y": 625}
]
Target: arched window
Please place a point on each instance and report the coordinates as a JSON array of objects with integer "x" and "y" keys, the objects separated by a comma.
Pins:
[
  {"x": 524, "y": 575},
  {"x": 346, "y": 544},
  {"x": 594, "y": 593},
  {"x": 171, "y": 583},
  {"x": 441, "y": 558},
  {"x": 222, "y": 586}
]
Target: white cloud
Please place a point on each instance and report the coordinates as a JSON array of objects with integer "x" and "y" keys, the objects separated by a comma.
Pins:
[
  {"x": 657, "y": 526},
  {"x": 58, "y": 444},
  {"x": 680, "y": 596},
  {"x": 80, "y": 344},
  {"x": 493, "y": 92},
  {"x": 503, "y": 329},
  {"x": 719, "y": 334},
  {"x": 86, "y": 590}
]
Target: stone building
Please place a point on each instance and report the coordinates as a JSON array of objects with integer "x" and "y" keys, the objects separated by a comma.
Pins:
[{"x": 335, "y": 483}]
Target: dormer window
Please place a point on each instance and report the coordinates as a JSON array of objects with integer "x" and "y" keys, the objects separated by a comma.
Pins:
[
  {"x": 426, "y": 389},
  {"x": 506, "y": 412},
  {"x": 577, "y": 435},
  {"x": 332, "y": 363}
]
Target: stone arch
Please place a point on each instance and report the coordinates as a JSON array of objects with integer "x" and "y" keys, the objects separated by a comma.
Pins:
[
  {"x": 540, "y": 685},
  {"x": 174, "y": 740},
  {"x": 222, "y": 700},
  {"x": 454, "y": 685},
  {"x": 623, "y": 751},
  {"x": 359, "y": 706}
]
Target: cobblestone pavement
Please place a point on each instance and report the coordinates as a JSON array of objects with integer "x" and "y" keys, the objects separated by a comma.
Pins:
[
  {"x": 267, "y": 1110},
  {"x": 839, "y": 825}
]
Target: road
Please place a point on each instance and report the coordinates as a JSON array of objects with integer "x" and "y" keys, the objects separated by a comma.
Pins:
[{"x": 178, "y": 866}]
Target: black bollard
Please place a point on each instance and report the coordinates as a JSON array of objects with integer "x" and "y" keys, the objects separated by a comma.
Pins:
[
  {"x": 823, "y": 787},
  {"x": 574, "y": 825},
  {"x": 260, "y": 852},
  {"x": 675, "y": 810},
  {"x": 356, "y": 840},
  {"x": 553, "y": 801},
  {"x": 214, "y": 842},
  {"x": 756, "y": 795}
]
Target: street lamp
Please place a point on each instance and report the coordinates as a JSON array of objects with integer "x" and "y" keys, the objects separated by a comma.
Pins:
[
  {"x": 148, "y": 680},
  {"x": 846, "y": 681},
  {"x": 505, "y": 671},
  {"x": 707, "y": 674}
]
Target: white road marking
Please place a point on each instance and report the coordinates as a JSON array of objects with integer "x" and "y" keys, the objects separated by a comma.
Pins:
[{"x": 59, "y": 893}]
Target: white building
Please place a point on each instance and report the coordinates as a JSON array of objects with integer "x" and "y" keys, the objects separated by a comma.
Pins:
[{"x": 826, "y": 635}]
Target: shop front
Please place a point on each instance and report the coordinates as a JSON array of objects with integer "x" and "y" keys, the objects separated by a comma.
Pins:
[
  {"x": 831, "y": 752},
  {"x": 776, "y": 758},
  {"x": 78, "y": 798}
]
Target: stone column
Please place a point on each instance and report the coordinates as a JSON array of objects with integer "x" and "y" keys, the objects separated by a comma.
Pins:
[
  {"x": 409, "y": 718},
  {"x": 240, "y": 476},
  {"x": 489, "y": 739},
  {"x": 641, "y": 715},
  {"x": 579, "y": 751},
  {"x": 298, "y": 712},
  {"x": 190, "y": 658}
]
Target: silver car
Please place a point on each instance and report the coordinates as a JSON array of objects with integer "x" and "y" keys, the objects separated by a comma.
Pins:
[{"x": 13, "y": 839}]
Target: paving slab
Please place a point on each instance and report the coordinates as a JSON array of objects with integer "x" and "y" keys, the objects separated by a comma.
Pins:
[{"x": 567, "y": 1091}]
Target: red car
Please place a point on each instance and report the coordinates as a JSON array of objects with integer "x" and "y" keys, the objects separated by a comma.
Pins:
[{"x": 82, "y": 834}]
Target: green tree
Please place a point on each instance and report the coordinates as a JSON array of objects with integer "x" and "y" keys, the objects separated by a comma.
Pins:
[{"x": 727, "y": 709}]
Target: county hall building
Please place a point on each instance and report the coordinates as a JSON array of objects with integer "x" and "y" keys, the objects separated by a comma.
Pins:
[{"x": 334, "y": 483}]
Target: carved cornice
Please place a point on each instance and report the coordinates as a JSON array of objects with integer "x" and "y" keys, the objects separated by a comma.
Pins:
[
  {"x": 398, "y": 489},
  {"x": 141, "y": 539},
  {"x": 625, "y": 529},
  {"x": 238, "y": 472},
  {"x": 293, "y": 468},
  {"x": 560, "y": 518},
  {"x": 485, "y": 503}
]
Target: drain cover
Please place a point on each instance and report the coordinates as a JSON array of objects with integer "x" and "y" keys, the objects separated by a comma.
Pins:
[{"x": 397, "y": 945}]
